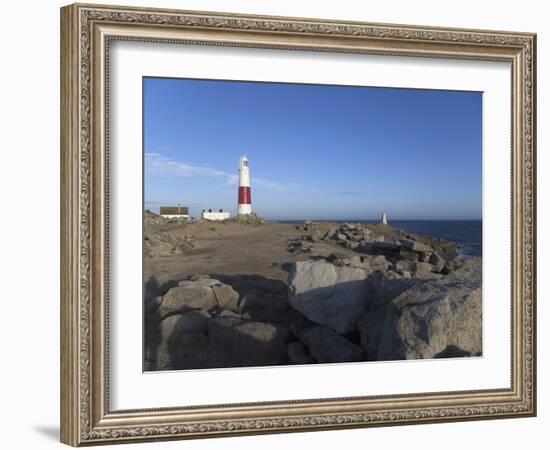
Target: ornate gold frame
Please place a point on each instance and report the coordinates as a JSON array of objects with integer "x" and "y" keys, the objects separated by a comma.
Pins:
[{"x": 86, "y": 31}]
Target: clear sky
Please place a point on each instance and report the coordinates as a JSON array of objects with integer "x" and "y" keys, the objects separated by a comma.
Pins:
[{"x": 315, "y": 152}]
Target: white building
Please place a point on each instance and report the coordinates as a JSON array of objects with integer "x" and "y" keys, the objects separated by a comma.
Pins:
[{"x": 215, "y": 215}]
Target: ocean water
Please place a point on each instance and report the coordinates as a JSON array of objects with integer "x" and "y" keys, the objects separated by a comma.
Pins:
[{"x": 467, "y": 234}]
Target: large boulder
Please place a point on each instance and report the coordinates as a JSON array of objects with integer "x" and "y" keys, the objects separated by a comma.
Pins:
[
  {"x": 264, "y": 306},
  {"x": 193, "y": 351},
  {"x": 436, "y": 318},
  {"x": 189, "y": 322},
  {"x": 376, "y": 263},
  {"x": 371, "y": 327},
  {"x": 241, "y": 342},
  {"x": 437, "y": 261},
  {"x": 382, "y": 289},
  {"x": 185, "y": 298},
  {"x": 226, "y": 297},
  {"x": 181, "y": 341},
  {"x": 324, "y": 344},
  {"x": 299, "y": 354},
  {"x": 199, "y": 294},
  {"x": 327, "y": 294}
]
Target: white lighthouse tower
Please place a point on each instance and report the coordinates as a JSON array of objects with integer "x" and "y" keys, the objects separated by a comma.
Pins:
[{"x": 245, "y": 203}]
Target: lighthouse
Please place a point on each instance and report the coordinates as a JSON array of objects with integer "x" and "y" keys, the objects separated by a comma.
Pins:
[{"x": 245, "y": 204}]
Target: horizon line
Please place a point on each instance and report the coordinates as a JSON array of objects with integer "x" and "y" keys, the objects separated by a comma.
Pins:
[{"x": 349, "y": 219}]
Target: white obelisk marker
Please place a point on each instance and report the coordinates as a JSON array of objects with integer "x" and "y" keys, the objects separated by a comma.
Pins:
[{"x": 245, "y": 204}]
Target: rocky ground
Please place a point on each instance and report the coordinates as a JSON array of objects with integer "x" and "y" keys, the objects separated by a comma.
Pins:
[{"x": 254, "y": 293}]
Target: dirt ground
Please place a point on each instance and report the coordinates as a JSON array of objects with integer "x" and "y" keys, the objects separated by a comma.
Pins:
[{"x": 235, "y": 249}]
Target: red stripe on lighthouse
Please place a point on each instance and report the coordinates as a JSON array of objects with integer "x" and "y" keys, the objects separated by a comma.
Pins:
[{"x": 244, "y": 195}]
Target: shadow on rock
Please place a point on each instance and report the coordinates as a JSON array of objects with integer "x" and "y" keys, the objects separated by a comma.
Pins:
[
  {"x": 244, "y": 283},
  {"x": 452, "y": 351},
  {"x": 218, "y": 321}
]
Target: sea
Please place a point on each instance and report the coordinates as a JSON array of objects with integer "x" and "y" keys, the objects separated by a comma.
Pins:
[{"x": 467, "y": 234}]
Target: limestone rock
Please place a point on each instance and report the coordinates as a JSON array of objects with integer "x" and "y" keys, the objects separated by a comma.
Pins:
[
  {"x": 247, "y": 343},
  {"x": 424, "y": 267},
  {"x": 376, "y": 263},
  {"x": 408, "y": 255},
  {"x": 385, "y": 286},
  {"x": 190, "y": 322},
  {"x": 435, "y": 318},
  {"x": 415, "y": 246},
  {"x": 327, "y": 346},
  {"x": 194, "y": 295},
  {"x": 245, "y": 283},
  {"x": 352, "y": 245},
  {"x": 263, "y": 306},
  {"x": 389, "y": 249},
  {"x": 198, "y": 280},
  {"x": 182, "y": 341},
  {"x": 437, "y": 261},
  {"x": 227, "y": 313},
  {"x": 199, "y": 293},
  {"x": 193, "y": 351},
  {"x": 382, "y": 289},
  {"x": 299, "y": 354},
  {"x": 427, "y": 275},
  {"x": 369, "y": 263},
  {"x": 327, "y": 294},
  {"x": 404, "y": 266},
  {"x": 226, "y": 297}
]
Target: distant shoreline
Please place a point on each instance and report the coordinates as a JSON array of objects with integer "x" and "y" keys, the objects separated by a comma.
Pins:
[
  {"x": 367, "y": 221},
  {"x": 466, "y": 233}
]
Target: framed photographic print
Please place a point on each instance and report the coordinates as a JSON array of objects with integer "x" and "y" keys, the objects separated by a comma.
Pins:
[{"x": 276, "y": 224}]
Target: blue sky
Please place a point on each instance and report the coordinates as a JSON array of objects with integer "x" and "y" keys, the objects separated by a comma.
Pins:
[{"x": 315, "y": 152}]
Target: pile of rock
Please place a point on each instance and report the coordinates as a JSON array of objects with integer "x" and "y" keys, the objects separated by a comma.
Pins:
[
  {"x": 332, "y": 313},
  {"x": 320, "y": 344},
  {"x": 384, "y": 315},
  {"x": 316, "y": 231},
  {"x": 352, "y": 235},
  {"x": 434, "y": 318},
  {"x": 369, "y": 263},
  {"x": 204, "y": 323},
  {"x": 300, "y": 245},
  {"x": 409, "y": 254},
  {"x": 399, "y": 296}
]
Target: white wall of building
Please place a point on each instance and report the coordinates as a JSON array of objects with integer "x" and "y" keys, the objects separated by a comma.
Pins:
[{"x": 216, "y": 215}]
